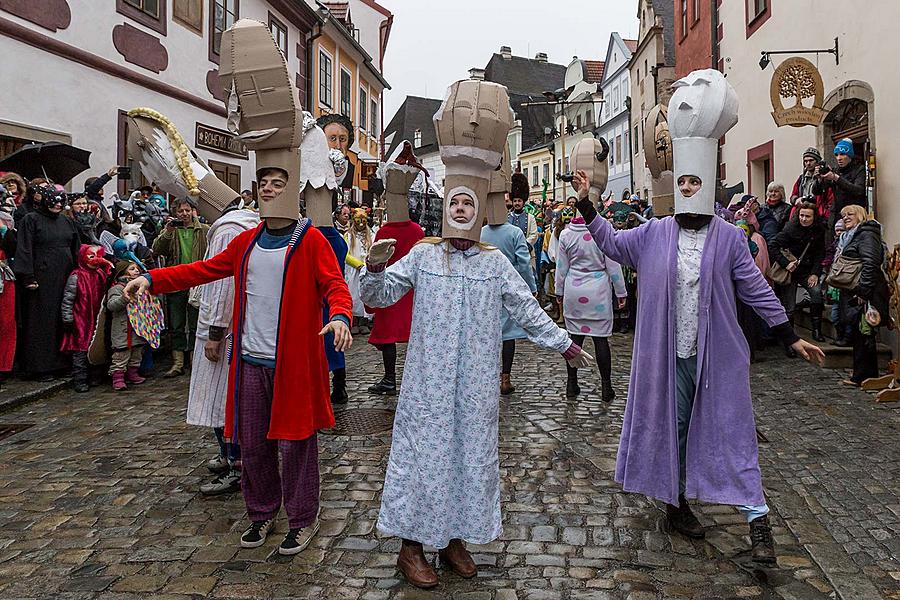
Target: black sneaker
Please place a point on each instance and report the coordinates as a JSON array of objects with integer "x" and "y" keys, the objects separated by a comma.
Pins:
[
  {"x": 682, "y": 519},
  {"x": 223, "y": 484},
  {"x": 255, "y": 536},
  {"x": 763, "y": 544},
  {"x": 297, "y": 540},
  {"x": 81, "y": 387},
  {"x": 385, "y": 387}
]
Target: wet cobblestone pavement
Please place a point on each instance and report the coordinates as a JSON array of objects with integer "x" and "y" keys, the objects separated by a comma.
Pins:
[{"x": 99, "y": 500}]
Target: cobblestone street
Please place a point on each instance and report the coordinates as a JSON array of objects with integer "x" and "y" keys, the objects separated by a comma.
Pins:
[{"x": 99, "y": 500}]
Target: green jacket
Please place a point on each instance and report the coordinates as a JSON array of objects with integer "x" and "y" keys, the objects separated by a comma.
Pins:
[{"x": 167, "y": 244}]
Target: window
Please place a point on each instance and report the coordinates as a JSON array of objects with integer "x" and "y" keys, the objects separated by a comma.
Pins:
[
  {"x": 534, "y": 176},
  {"x": 578, "y": 122},
  {"x": 363, "y": 108},
  {"x": 326, "y": 82},
  {"x": 417, "y": 138},
  {"x": 684, "y": 18},
  {"x": 222, "y": 15},
  {"x": 373, "y": 117},
  {"x": 547, "y": 172},
  {"x": 150, "y": 13},
  {"x": 757, "y": 7},
  {"x": 696, "y": 11},
  {"x": 636, "y": 138},
  {"x": 758, "y": 12},
  {"x": 189, "y": 13},
  {"x": 345, "y": 93},
  {"x": 615, "y": 96},
  {"x": 618, "y": 149},
  {"x": 626, "y": 144},
  {"x": 279, "y": 32}
]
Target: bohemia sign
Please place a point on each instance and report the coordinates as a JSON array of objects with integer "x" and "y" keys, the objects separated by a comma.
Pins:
[
  {"x": 217, "y": 140},
  {"x": 797, "y": 79}
]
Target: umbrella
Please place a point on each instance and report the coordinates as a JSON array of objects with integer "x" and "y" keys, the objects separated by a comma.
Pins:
[{"x": 56, "y": 161}]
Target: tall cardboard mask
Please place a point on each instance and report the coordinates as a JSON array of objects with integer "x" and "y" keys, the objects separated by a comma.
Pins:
[
  {"x": 317, "y": 181},
  {"x": 471, "y": 127},
  {"x": 166, "y": 160},
  {"x": 397, "y": 181},
  {"x": 589, "y": 155},
  {"x": 263, "y": 108},
  {"x": 496, "y": 200},
  {"x": 702, "y": 109},
  {"x": 658, "y": 152}
]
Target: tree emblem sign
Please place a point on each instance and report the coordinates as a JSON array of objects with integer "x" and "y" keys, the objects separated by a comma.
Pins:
[{"x": 796, "y": 80}]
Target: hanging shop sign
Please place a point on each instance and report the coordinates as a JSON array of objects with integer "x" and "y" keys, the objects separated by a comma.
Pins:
[{"x": 796, "y": 81}]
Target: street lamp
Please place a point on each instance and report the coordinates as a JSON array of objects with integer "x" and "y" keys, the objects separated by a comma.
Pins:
[{"x": 766, "y": 58}]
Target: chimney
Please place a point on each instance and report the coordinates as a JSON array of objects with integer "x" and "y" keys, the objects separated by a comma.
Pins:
[
  {"x": 541, "y": 57},
  {"x": 476, "y": 73},
  {"x": 506, "y": 52}
]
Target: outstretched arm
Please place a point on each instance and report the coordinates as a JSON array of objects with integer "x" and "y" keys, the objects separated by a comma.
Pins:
[
  {"x": 381, "y": 286},
  {"x": 623, "y": 246}
]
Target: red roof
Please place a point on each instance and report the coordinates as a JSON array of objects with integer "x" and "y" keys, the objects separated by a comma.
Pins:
[
  {"x": 340, "y": 10},
  {"x": 595, "y": 70},
  {"x": 632, "y": 45}
]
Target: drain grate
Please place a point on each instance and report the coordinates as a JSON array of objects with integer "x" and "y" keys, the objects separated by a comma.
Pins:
[
  {"x": 361, "y": 421},
  {"x": 8, "y": 429}
]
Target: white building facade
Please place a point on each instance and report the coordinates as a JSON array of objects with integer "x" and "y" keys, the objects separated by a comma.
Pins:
[{"x": 614, "y": 122}]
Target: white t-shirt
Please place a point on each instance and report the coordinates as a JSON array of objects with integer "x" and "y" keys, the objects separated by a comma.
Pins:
[
  {"x": 265, "y": 272},
  {"x": 687, "y": 290}
]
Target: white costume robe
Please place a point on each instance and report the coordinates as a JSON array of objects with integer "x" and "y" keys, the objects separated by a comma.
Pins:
[
  {"x": 443, "y": 475},
  {"x": 358, "y": 249}
]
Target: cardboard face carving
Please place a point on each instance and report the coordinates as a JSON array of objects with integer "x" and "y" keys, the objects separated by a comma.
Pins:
[
  {"x": 397, "y": 181},
  {"x": 589, "y": 155},
  {"x": 702, "y": 109},
  {"x": 317, "y": 181},
  {"x": 658, "y": 151},
  {"x": 471, "y": 126},
  {"x": 166, "y": 160},
  {"x": 497, "y": 212},
  {"x": 263, "y": 107}
]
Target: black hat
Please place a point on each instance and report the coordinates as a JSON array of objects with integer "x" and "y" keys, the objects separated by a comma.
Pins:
[
  {"x": 341, "y": 120},
  {"x": 812, "y": 153},
  {"x": 519, "y": 187}
]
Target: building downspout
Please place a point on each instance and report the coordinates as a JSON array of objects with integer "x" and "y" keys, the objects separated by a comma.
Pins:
[
  {"x": 714, "y": 27},
  {"x": 317, "y": 32}
]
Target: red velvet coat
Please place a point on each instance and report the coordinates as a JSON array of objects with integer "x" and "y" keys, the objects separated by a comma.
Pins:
[
  {"x": 392, "y": 323},
  {"x": 300, "y": 403}
]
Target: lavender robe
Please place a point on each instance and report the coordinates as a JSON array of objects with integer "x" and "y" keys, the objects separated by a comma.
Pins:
[{"x": 722, "y": 456}]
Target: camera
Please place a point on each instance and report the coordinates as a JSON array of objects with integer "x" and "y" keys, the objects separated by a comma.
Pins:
[
  {"x": 567, "y": 177},
  {"x": 123, "y": 173},
  {"x": 823, "y": 167}
]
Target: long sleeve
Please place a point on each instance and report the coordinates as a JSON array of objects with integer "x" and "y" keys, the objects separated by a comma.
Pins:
[
  {"x": 329, "y": 279},
  {"x": 385, "y": 288},
  {"x": 217, "y": 298},
  {"x": 562, "y": 267},
  {"x": 164, "y": 243},
  {"x": 623, "y": 245},
  {"x": 68, "y": 299},
  {"x": 855, "y": 185},
  {"x": 24, "y": 261},
  {"x": 92, "y": 190},
  {"x": 780, "y": 242},
  {"x": 614, "y": 270},
  {"x": 525, "y": 310},
  {"x": 871, "y": 253},
  {"x": 115, "y": 299},
  {"x": 750, "y": 285},
  {"x": 523, "y": 263},
  {"x": 532, "y": 235},
  {"x": 182, "y": 277}
]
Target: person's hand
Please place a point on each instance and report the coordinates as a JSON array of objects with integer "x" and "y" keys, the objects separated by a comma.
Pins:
[
  {"x": 113, "y": 171},
  {"x": 581, "y": 183},
  {"x": 31, "y": 286},
  {"x": 830, "y": 176},
  {"x": 582, "y": 360},
  {"x": 812, "y": 281},
  {"x": 136, "y": 288},
  {"x": 171, "y": 223},
  {"x": 213, "y": 350},
  {"x": 809, "y": 352},
  {"x": 342, "y": 338},
  {"x": 792, "y": 266},
  {"x": 621, "y": 302},
  {"x": 381, "y": 251}
]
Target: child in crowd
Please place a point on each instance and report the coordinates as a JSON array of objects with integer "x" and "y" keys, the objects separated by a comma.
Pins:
[
  {"x": 127, "y": 345},
  {"x": 82, "y": 299}
]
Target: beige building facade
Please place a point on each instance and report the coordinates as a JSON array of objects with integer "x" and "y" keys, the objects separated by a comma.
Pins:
[{"x": 859, "y": 100}]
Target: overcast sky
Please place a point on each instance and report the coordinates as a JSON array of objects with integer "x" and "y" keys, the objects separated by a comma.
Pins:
[{"x": 435, "y": 42}]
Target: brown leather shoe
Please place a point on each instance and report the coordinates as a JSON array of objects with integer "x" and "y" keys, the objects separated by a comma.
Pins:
[
  {"x": 506, "y": 386},
  {"x": 414, "y": 567},
  {"x": 459, "y": 559}
]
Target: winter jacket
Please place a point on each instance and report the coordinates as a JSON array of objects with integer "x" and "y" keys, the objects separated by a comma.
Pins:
[
  {"x": 824, "y": 200},
  {"x": 849, "y": 189},
  {"x": 121, "y": 334},
  {"x": 868, "y": 246},
  {"x": 794, "y": 238},
  {"x": 772, "y": 220},
  {"x": 167, "y": 243}
]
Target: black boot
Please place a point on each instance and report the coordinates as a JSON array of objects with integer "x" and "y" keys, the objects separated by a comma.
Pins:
[
  {"x": 339, "y": 387},
  {"x": 763, "y": 544},
  {"x": 385, "y": 387},
  {"x": 682, "y": 520},
  {"x": 572, "y": 389},
  {"x": 817, "y": 329},
  {"x": 608, "y": 393}
]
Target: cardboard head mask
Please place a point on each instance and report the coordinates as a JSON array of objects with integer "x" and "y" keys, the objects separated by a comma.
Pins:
[
  {"x": 397, "y": 181},
  {"x": 471, "y": 127},
  {"x": 589, "y": 155},
  {"x": 264, "y": 108},
  {"x": 317, "y": 180},
  {"x": 496, "y": 200},
  {"x": 702, "y": 109},
  {"x": 166, "y": 160},
  {"x": 658, "y": 152}
]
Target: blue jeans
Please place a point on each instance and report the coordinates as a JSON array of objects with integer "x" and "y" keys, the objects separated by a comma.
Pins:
[{"x": 685, "y": 390}]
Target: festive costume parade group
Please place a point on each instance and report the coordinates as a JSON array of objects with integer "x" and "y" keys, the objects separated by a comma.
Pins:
[{"x": 276, "y": 312}]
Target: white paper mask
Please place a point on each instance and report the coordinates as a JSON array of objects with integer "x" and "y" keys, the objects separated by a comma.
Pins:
[
  {"x": 702, "y": 109},
  {"x": 317, "y": 182}
]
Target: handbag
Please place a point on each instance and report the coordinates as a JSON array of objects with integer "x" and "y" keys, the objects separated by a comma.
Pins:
[
  {"x": 845, "y": 273},
  {"x": 778, "y": 274}
]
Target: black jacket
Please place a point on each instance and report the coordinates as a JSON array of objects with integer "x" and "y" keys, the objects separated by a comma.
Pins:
[
  {"x": 794, "y": 238},
  {"x": 772, "y": 220},
  {"x": 868, "y": 246},
  {"x": 849, "y": 189}
]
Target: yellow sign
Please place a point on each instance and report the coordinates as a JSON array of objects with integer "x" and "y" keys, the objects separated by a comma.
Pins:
[{"x": 797, "y": 79}]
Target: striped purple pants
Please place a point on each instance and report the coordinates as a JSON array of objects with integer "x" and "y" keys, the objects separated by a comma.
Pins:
[{"x": 263, "y": 486}]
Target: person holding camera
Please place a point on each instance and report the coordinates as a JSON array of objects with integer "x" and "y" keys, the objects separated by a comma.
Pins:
[
  {"x": 847, "y": 182},
  {"x": 803, "y": 188},
  {"x": 182, "y": 241}
]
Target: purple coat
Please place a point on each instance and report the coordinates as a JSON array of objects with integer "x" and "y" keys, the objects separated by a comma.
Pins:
[{"x": 722, "y": 456}]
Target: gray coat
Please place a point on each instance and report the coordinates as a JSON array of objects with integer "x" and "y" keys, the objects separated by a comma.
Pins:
[{"x": 120, "y": 326}]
